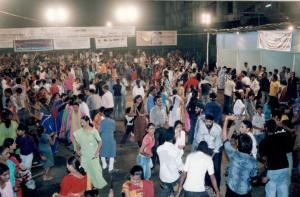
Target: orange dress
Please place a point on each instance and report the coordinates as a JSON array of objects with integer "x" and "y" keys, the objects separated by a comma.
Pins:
[{"x": 73, "y": 185}]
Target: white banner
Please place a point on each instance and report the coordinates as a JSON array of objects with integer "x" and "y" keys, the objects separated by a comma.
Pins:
[
  {"x": 33, "y": 45},
  {"x": 156, "y": 38},
  {"x": 72, "y": 43},
  {"x": 64, "y": 32},
  {"x": 275, "y": 40},
  {"x": 111, "y": 42},
  {"x": 6, "y": 44}
]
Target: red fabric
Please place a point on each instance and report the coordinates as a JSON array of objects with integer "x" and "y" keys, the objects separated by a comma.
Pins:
[
  {"x": 149, "y": 142},
  {"x": 54, "y": 89},
  {"x": 71, "y": 184},
  {"x": 148, "y": 188},
  {"x": 191, "y": 82}
]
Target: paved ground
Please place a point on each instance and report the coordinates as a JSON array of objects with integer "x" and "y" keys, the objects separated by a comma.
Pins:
[{"x": 126, "y": 155}]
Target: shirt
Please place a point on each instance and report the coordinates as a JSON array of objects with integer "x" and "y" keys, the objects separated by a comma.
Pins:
[
  {"x": 194, "y": 181},
  {"x": 117, "y": 90},
  {"x": 26, "y": 145},
  {"x": 229, "y": 88},
  {"x": 258, "y": 121},
  {"x": 237, "y": 108},
  {"x": 212, "y": 137},
  {"x": 254, "y": 145},
  {"x": 138, "y": 91},
  {"x": 158, "y": 116},
  {"x": 108, "y": 100},
  {"x": 241, "y": 168},
  {"x": 93, "y": 102},
  {"x": 170, "y": 162},
  {"x": 274, "y": 87}
]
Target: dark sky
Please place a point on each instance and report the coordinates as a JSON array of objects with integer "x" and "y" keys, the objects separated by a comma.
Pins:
[{"x": 82, "y": 12}]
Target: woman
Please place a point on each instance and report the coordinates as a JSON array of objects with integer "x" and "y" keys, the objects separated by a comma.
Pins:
[
  {"x": 88, "y": 144},
  {"x": 108, "y": 149},
  {"x": 179, "y": 136},
  {"x": 137, "y": 186},
  {"x": 75, "y": 183},
  {"x": 140, "y": 121},
  {"x": 74, "y": 116},
  {"x": 175, "y": 108},
  {"x": 4, "y": 159},
  {"x": 145, "y": 153},
  {"x": 5, "y": 185},
  {"x": 8, "y": 127}
]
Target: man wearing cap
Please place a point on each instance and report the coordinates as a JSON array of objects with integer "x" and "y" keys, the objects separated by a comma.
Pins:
[
  {"x": 209, "y": 131},
  {"x": 170, "y": 163}
]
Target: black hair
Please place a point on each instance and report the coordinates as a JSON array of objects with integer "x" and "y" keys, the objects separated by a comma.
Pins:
[
  {"x": 149, "y": 125},
  {"x": 247, "y": 123},
  {"x": 136, "y": 98},
  {"x": 271, "y": 126},
  {"x": 128, "y": 109},
  {"x": 101, "y": 109},
  {"x": 8, "y": 142},
  {"x": 18, "y": 80},
  {"x": 137, "y": 168},
  {"x": 177, "y": 122},
  {"x": 3, "y": 168},
  {"x": 75, "y": 103},
  {"x": 73, "y": 161},
  {"x": 19, "y": 90},
  {"x": 87, "y": 119},
  {"x": 107, "y": 112},
  {"x": 244, "y": 143},
  {"x": 238, "y": 95},
  {"x": 203, "y": 147},
  {"x": 53, "y": 81},
  {"x": 5, "y": 118},
  {"x": 2, "y": 148},
  {"x": 209, "y": 116},
  {"x": 169, "y": 134},
  {"x": 22, "y": 127},
  {"x": 156, "y": 98},
  {"x": 174, "y": 91},
  {"x": 8, "y": 90}
]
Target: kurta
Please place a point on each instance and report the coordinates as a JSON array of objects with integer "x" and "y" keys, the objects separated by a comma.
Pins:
[
  {"x": 140, "y": 124},
  {"x": 88, "y": 141},
  {"x": 107, "y": 129}
]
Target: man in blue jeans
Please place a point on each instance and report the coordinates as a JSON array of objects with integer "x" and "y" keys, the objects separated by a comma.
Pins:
[
  {"x": 273, "y": 150},
  {"x": 117, "y": 90}
]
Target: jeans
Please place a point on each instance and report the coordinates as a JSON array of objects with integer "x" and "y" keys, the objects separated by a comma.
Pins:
[
  {"x": 290, "y": 160},
  {"x": 195, "y": 194},
  {"x": 227, "y": 104},
  {"x": 118, "y": 106},
  {"x": 146, "y": 164},
  {"x": 217, "y": 167},
  {"x": 259, "y": 137},
  {"x": 168, "y": 188},
  {"x": 193, "y": 120},
  {"x": 264, "y": 97},
  {"x": 204, "y": 99},
  {"x": 230, "y": 193},
  {"x": 129, "y": 129},
  {"x": 278, "y": 183}
]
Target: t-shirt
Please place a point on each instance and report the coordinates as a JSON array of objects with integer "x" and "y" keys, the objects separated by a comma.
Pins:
[
  {"x": 7, "y": 191},
  {"x": 274, "y": 87},
  {"x": 196, "y": 173},
  {"x": 149, "y": 141},
  {"x": 237, "y": 108},
  {"x": 117, "y": 90}
]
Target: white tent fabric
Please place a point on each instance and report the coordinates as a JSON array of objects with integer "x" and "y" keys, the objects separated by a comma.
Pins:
[
  {"x": 234, "y": 49},
  {"x": 275, "y": 40}
]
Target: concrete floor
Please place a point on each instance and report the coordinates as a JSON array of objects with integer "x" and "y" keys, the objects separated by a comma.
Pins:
[{"x": 125, "y": 159}]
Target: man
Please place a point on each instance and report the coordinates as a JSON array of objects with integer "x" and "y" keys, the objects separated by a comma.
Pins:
[
  {"x": 150, "y": 98},
  {"x": 228, "y": 92},
  {"x": 292, "y": 86},
  {"x": 117, "y": 89},
  {"x": 264, "y": 87},
  {"x": 158, "y": 116},
  {"x": 93, "y": 101},
  {"x": 242, "y": 166},
  {"x": 214, "y": 108},
  {"x": 107, "y": 98},
  {"x": 258, "y": 123},
  {"x": 193, "y": 175},
  {"x": 273, "y": 149},
  {"x": 210, "y": 132},
  {"x": 273, "y": 93},
  {"x": 245, "y": 79},
  {"x": 170, "y": 164},
  {"x": 246, "y": 67}
]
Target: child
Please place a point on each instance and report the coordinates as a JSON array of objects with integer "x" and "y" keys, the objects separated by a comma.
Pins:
[
  {"x": 45, "y": 141},
  {"x": 27, "y": 146},
  {"x": 4, "y": 159},
  {"x": 5, "y": 185},
  {"x": 98, "y": 118},
  {"x": 128, "y": 125}
]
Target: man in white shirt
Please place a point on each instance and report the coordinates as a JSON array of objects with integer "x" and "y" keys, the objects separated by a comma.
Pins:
[
  {"x": 228, "y": 91},
  {"x": 170, "y": 163},
  {"x": 258, "y": 122},
  {"x": 193, "y": 175},
  {"x": 246, "y": 127},
  {"x": 245, "y": 80},
  {"x": 210, "y": 132},
  {"x": 107, "y": 98}
]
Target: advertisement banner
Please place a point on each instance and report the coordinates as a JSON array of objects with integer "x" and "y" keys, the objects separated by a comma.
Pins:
[
  {"x": 72, "y": 43},
  {"x": 156, "y": 38},
  {"x": 33, "y": 45},
  {"x": 275, "y": 40},
  {"x": 6, "y": 44},
  {"x": 64, "y": 32},
  {"x": 111, "y": 42}
]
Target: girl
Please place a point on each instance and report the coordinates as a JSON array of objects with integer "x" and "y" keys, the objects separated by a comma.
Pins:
[
  {"x": 45, "y": 149},
  {"x": 88, "y": 144},
  {"x": 75, "y": 183},
  {"x": 145, "y": 153},
  {"x": 108, "y": 149},
  {"x": 4, "y": 159},
  {"x": 5, "y": 185},
  {"x": 179, "y": 136}
]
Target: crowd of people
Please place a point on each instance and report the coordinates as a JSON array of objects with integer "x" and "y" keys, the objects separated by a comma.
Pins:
[{"x": 176, "y": 118}]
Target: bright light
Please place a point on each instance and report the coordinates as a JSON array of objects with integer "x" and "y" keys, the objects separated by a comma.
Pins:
[
  {"x": 237, "y": 33},
  {"x": 108, "y": 24},
  {"x": 268, "y": 5},
  {"x": 128, "y": 13},
  {"x": 57, "y": 14},
  {"x": 206, "y": 18},
  {"x": 291, "y": 28}
]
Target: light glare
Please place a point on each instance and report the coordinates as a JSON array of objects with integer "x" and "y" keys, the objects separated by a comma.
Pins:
[
  {"x": 57, "y": 14},
  {"x": 127, "y": 13},
  {"x": 206, "y": 18},
  {"x": 291, "y": 28}
]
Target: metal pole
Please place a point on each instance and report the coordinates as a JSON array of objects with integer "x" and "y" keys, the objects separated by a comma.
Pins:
[{"x": 207, "y": 49}]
